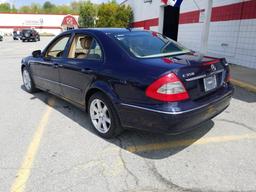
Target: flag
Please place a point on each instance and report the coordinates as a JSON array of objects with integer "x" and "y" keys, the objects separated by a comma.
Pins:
[{"x": 174, "y": 3}]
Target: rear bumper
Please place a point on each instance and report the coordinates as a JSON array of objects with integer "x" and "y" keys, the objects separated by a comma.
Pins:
[{"x": 173, "y": 121}]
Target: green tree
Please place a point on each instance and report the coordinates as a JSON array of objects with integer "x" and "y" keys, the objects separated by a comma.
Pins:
[
  {"x": 14, "y": 10},
  {"x": 106, "y": 14},
  {"x": 25, "y": 9},
  {"x": 5, "y": 7},
  {"x": 88, "y": 14},
  {"x": 36, "y": 8},
  {"x": 75, "y": 6},
  {"x": 112, "y": 14},
  {"x": 124, "y": 16},
  {"x": 48, "y": 7},
  {"x": 62, "y": 9},
  {"x": 109, "y": 14}
]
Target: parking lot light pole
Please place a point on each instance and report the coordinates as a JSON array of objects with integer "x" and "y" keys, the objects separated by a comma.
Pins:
[{"x": 206, "y": 27}]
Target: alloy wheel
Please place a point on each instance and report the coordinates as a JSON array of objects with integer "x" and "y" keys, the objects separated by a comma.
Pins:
[
  {"x": 100, "y": 116},
  {"x": 26, "y": 80}
]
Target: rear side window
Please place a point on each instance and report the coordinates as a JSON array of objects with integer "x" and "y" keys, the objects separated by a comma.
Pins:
[{"x": 85, "y": 47}]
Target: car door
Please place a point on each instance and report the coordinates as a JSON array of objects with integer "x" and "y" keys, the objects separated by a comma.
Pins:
[
  {"x": 46, "y": 68},
  {"x": 84, "y": 60}
]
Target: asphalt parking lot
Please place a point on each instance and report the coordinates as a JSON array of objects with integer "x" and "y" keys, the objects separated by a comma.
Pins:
[{"x": 46, "y": 144}]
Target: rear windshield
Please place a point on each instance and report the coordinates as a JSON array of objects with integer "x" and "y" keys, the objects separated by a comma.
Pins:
[{"x": 147, "y": 44}]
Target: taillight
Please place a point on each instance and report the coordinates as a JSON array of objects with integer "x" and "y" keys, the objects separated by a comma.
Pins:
[
  {"x": 168, "y": 60},
  {"x": 167, "y": 88},
  {"x": 228, "y": 78}
]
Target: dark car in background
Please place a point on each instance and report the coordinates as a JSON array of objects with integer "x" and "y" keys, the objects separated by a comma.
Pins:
[
  {"x": 15, "y": 35},
  {"x": 29, "y": 35},
  {"x": 128, "y": 78},
  {"x": 1, "y": 38}
]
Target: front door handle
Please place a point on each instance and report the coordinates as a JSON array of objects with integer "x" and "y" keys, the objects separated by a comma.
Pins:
[
  {"x": 55, "y": 65},
  {"x": 86, "y": 70}
]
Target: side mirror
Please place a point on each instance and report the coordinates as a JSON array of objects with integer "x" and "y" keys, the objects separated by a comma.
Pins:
[{"x": 37, "y": 53}]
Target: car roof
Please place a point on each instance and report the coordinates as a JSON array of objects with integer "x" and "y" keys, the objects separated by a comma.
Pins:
[{"x": 106, "y": 30}]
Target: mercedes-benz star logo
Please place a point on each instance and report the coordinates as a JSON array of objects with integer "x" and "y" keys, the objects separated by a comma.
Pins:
[{"x": 213, "y": 68}]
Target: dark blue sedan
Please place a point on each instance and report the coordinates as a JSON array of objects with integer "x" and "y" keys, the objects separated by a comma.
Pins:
[{"x": 127, "y": 78}]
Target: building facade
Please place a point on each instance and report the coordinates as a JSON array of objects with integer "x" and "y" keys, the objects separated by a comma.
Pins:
[
  {"x": 232, "y": 28},
  {"x": 43, "y": 23}
]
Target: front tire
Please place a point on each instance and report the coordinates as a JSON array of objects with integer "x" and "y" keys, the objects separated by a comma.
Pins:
[
  {"x": 28, "y": 81},
  {"x": 103, "y": 116}
]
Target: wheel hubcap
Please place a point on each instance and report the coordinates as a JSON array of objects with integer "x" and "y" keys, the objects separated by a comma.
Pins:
[
  {"x": 100, "y": 116},
  {"x": 26, "y": 80}
]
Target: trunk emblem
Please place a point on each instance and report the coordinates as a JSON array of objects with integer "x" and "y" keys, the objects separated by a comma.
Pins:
[
  {"x": 213, "y": 68},
  {"x": 188, "y": 75}
]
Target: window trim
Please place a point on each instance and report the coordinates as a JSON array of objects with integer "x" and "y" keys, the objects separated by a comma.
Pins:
[
  {"x": 54, "y": 42},
  {"x": 102, "y": 59},
  {"x": 132, "y": 55}
]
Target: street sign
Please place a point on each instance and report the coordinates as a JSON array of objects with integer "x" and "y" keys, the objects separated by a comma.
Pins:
[{"x": 174, "y": 3}]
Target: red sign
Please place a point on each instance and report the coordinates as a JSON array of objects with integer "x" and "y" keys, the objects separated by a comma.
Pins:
[{"x": 70, "y": 21}]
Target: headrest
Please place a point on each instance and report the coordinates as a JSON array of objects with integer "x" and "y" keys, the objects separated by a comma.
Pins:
[{"x": 86, "y": 42}]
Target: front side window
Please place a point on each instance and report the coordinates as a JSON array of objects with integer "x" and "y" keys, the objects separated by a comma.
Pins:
[
  {"x": 85, "y": 47},
  {"x": 147, "y": 44},
  {"x": 57, "y": 48}
]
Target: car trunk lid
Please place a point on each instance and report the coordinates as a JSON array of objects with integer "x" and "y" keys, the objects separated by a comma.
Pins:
[{"x": 200, "y": 75}]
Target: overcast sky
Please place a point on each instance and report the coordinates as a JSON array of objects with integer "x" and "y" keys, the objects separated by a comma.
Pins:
[{"x": 19, "y": 3}]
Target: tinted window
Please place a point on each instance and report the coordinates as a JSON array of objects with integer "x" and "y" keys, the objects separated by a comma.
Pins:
[
  {"x": 148, "y": 44},
  {"x": 58, "y": 47},
  {"x": 85, "y": 47},
  {"x": 26, "y": 30}
]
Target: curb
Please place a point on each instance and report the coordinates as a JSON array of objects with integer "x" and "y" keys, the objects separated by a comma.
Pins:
[{"x": 248, "y": 87}]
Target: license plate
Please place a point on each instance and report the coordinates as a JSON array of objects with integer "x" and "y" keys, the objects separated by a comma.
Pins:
[{"x": 210, "y": 83}]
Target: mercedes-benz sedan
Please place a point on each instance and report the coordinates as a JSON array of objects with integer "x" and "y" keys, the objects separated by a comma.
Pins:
[{"x": 127, "y": 78}]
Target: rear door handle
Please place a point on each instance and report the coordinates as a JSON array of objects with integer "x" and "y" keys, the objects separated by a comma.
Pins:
[{"x": 86, "y": 70}]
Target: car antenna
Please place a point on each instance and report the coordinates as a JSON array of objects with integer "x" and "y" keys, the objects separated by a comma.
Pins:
[{"x": 129, "y": 27}]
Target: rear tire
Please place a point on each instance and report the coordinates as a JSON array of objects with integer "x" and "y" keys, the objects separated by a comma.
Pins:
[
  {"x": 28, "y": 81},
  {"x": 103, "y": 116}
]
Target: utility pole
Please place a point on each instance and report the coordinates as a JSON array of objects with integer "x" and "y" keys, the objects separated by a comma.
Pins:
[{"x": 206, "y": 27}]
